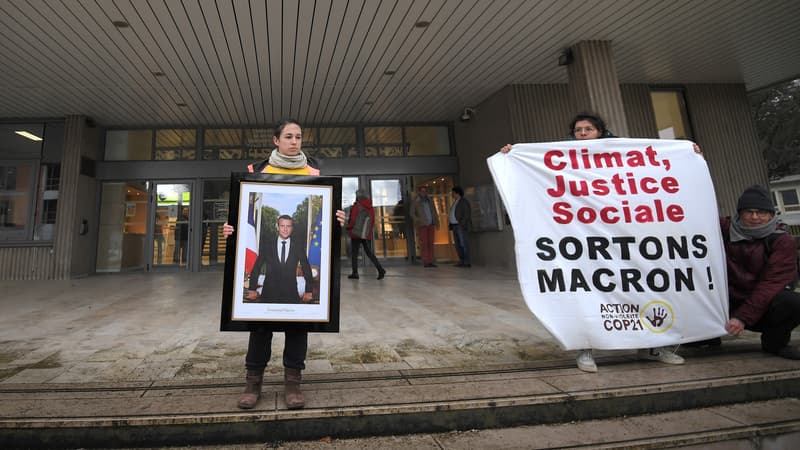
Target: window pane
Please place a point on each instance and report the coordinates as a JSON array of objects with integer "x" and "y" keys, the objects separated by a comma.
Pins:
[
  {"x": 427, "y": 141},
  {"x": 670, "y": 113},
  {"x": 121, "y": 238},
  {"x": 177, "y": 144},
  {"x": 176, "y": 138},
  {"x": 789, "y": 197},
  {"x": 17, "y": 181},
  {"x": 215, "y": 213},
  {"x": 383, "y": 141},
  {"x": 129, "y": 145},
  {"x": 258, "y": 142},
  {"x": 49, "y": 177},
  {"x": 337, "y": 141},
  {"x": 227, "y": 137}
]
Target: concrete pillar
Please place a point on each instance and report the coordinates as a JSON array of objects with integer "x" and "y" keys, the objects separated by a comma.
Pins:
[
  {"x": 594, "y": 86},
  {"x": 66, "y": 217}
]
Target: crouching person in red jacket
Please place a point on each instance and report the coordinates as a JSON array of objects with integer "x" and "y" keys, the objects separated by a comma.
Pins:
[{"x": 762, "y": 267}]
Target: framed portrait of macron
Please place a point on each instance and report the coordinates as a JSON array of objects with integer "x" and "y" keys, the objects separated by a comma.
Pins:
[{"x": 282, "y": 260}]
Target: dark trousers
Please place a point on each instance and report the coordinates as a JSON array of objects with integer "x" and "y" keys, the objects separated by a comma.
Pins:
[
  {"x": 776, "y": 326},
  {"x": 461, "y": 241},
  {"x": 367, "y": 245},
  {"x": 259, "y": 350}
]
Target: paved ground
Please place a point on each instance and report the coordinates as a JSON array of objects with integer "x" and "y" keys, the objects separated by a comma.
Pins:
[
  {"x": 148, "y": 345},
  {"x": 165, "y": 326}
]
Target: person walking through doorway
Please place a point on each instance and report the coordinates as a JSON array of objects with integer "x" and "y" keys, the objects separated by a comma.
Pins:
[{"x": 360, "y": 229}]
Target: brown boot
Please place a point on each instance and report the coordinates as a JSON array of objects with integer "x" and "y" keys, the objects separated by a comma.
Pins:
[
  {"x": 291, "y": 386},
  {"x": 252, "y": 390}
]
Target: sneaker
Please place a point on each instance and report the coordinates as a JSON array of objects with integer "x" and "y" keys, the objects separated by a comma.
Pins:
[
  {"x": 381, "y": 273},
  {"x": 585, "y": 361},
  {"x": 661, "y": 354},
  {"x": 353, "y": 276}
]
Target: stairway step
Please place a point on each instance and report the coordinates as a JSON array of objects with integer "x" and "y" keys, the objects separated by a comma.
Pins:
[{"x": 379, "y": 403}]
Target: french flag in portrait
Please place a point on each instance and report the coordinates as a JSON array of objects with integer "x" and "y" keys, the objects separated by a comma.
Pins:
[{"x": 250, "y": 232}]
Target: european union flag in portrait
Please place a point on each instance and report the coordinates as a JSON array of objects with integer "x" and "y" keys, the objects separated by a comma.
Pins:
[{"x": 315, "y": 242}]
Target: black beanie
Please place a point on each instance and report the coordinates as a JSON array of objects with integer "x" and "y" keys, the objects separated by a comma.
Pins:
[{"x": 755, "y": 197}]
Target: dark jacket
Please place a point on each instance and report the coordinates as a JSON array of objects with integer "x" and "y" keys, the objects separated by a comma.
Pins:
[
  {"x": 280, "y": 282},
  {"x": 361, "y": 203},
  {"x": 463, "y": 214},
  {"x": 754, "y": 276}
]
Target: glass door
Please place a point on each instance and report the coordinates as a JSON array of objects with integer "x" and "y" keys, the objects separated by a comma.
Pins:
[
  {"x": 391, "y": 225},
  {"x": 171, "y": 232}
]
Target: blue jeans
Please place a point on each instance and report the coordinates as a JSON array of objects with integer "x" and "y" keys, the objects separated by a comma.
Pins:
[{"x": 461, "y": 240}]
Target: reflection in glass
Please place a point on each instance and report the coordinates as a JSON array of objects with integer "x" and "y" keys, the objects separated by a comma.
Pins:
[
  {"x": 129, "y": 145},
  {"x": 173, "y": 202},
  {"x": 383, "y": 141},
  {"x": 215, "y": 214},
  {"x": 423, "y": 141},
  {"x": 390, "y": 235},
  {"x": 123, "y": 227}
]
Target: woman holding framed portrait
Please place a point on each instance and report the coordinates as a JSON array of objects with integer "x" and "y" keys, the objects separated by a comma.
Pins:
[{"x": 287, "y": 159}]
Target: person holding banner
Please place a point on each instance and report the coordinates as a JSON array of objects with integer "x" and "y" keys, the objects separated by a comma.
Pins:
[
  {"x": 762, "y": 268},
  {"x": 286, "y": 158},
  {"x": 360, "y": 232},
  {"x": 586, "y": 126}
]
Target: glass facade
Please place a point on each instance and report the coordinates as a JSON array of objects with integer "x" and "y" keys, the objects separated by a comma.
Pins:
[{"x": 28, "y": 185}]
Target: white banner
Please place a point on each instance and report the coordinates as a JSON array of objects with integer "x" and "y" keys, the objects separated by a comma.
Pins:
[{"x": 618, "y": 243}]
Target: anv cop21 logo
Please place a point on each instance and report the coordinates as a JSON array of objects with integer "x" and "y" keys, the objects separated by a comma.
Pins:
[{"x": 656, "y": 316}]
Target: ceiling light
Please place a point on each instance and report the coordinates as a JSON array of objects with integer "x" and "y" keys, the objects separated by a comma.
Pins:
[
  {"x": 30, "y": 136},
  {"x": 389, "y": 72},
  {"x": 181, "y": 105},
  {"x": 422, "y": 24},
  {"x": 121, "y": 24},
  {"x": 158, "y": 74}
]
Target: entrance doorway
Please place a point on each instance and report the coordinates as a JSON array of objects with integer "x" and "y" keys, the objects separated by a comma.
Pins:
[
  {"x": 171, "y": 204},
  {"x": 391, "y": 229}
]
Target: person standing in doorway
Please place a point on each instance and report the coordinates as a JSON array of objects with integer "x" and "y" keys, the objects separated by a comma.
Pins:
[
  {"x": 181, "y": 237},
  {"x": 360, "y": 229},
  {"x": 426, "y": 221},
  {"x": 286, "y": 158},
  {"x": 460, "y": 223}
]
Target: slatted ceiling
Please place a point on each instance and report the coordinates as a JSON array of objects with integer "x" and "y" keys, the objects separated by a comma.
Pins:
[
  {"x": 156, "y": 20},
  {"x": 246, "y": 61}
]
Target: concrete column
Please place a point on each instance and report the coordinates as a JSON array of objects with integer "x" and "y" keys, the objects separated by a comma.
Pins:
[
  {"x": 594, "y": 86},
  {"x": 66, "y": 217}
]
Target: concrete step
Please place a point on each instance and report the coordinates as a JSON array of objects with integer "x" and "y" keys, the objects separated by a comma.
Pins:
[
  {"x": 342, "y": 405},
  {"x": 768, "y": 425}
]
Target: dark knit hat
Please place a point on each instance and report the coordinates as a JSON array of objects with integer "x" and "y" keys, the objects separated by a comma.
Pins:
[{"x": 755, "y": 197}]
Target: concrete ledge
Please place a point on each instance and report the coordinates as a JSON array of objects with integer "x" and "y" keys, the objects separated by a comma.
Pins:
[{"x": 391, "y": 402}]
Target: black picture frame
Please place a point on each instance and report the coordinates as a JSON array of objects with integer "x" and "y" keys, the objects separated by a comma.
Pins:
[{"x": 256, "y": 200}]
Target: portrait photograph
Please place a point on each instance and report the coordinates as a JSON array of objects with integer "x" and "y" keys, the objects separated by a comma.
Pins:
[{"x": 282, "y": 272}]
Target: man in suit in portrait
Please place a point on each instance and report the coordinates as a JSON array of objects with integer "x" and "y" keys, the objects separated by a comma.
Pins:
[{"x": 281, "y": 255}]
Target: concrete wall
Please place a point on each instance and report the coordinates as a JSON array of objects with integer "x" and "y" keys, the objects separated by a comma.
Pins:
[{"x": 719, "y": 114}]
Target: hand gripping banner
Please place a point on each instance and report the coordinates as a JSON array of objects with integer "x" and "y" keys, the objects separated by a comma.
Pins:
[{"x": 617, "y": 241}]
